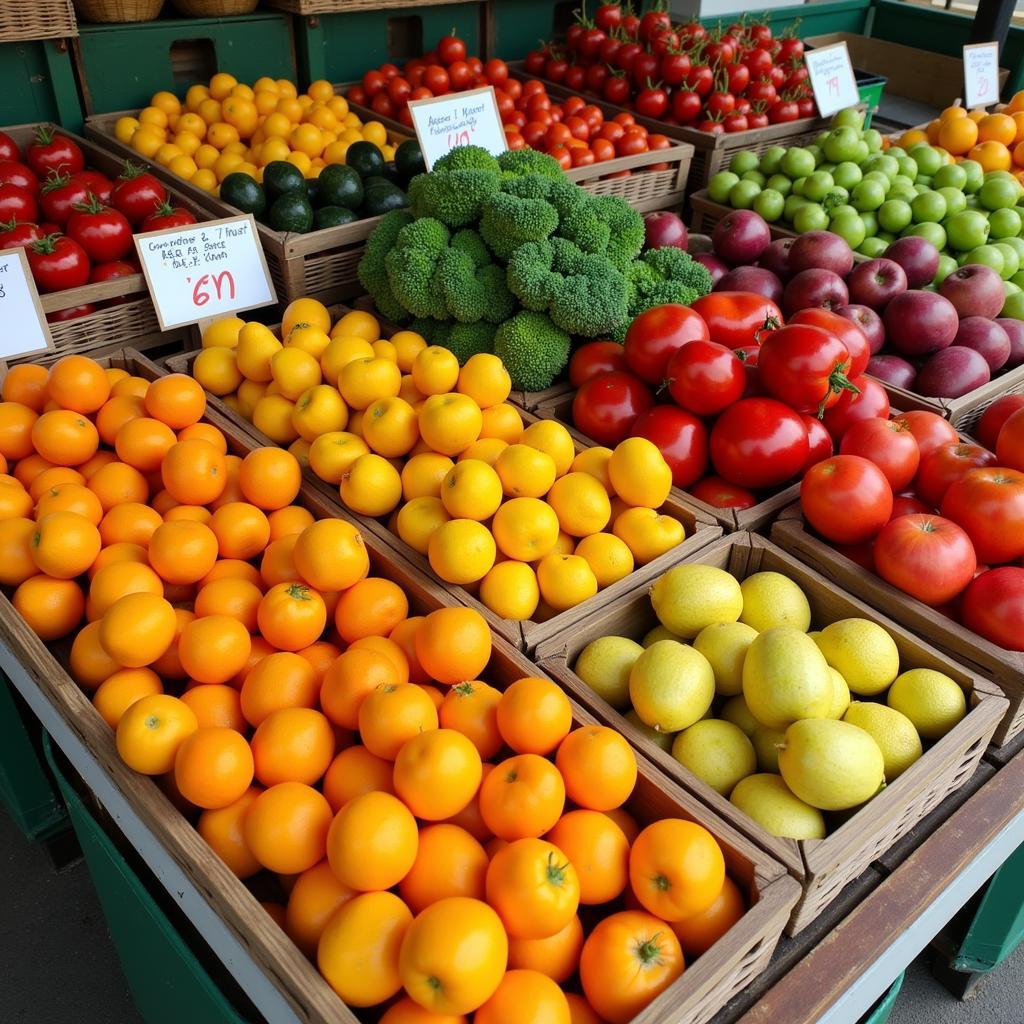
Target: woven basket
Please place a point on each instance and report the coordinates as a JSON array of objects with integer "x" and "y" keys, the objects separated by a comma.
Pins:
[
  {"x": 215, "y": 8},
  {"x": 41, "y": 19},
  {"x": 111, "y": 11}
]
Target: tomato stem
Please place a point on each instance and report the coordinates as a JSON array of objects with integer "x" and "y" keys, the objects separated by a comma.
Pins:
[
  {"x": 649, "y": 951},
  {"x": 837, "y": 383}
]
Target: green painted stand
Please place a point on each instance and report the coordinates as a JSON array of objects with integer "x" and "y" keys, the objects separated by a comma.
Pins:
[
  {"x": 37, "y": 83},
  {"x": 26, "y": 788}
]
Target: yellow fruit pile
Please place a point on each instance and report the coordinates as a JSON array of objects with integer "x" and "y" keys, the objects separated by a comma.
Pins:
[
  {"x": 228, "y": 126},
  {"x": 511, "y": 511}
]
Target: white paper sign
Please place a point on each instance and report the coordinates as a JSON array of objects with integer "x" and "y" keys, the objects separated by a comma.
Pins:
[
  {"x": 205, "y": 270},
  {"x": 832, "y": 78},
  {"x": 459, "y": 119},
  {"x": 981, "y": 74},
  {"x": 23, "y": 327}
]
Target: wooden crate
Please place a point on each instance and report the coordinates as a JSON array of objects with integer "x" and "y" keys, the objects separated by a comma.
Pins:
[
  {"x": 112, "y": 326},
  {"x": 759, "y": 517},
  {"x": 701, "y": 530},
  {"x": 42, "y": 19},
  {"x": 1005, "y": 668},
  {"x": 709, "y": 982},
  {"x": 321, "y": 264},
  {"x": 824, "y": 866}
]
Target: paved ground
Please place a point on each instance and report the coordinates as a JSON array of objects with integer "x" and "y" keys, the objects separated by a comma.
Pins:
[{"x": 59, "y": 965}]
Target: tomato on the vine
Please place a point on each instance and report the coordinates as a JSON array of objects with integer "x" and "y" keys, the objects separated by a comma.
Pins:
[
  {"x": 137, "y": 193},
  {"x": 17, "y": 204},
  {"x": 52, "y": 152},
  {"x": 58, "y": 262},
  {"x": 103, "y": 233}
]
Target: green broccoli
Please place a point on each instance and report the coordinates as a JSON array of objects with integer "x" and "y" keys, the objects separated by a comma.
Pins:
[
  {"x": 533, "y": 350},
  {"x": 411, "y": 265},
  {"x": 455, "y": 198},
  {"x": 433, "y": 332},
  {"x": 466, "y": 340},
  {"x": 529, "y": 186},
  {"x": 671, "y": 275},
  {"x": 372, "y": 271},
  {"x": 626, "y": 228},
  {"x": 468, "y": 158},
  {"x": 515, "y": 163},
  {"x": 472, "y": 292},
  {"x": 509, "y": 221}
]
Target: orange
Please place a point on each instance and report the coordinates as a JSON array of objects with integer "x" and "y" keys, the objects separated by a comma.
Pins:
[
  {"x": 556, "y": 956},
  {"x": 485, "y": 379},
  {"x": 91, "y": 466},
  {"x": 417, "y": 520},
  {"x": 232, "y": 487},
  {"x": 353, "y": 772},
  {"x": 232, "y": 568},
  {"x": 130, "y": 523},
  {"x": 177, "y": 400},
  {"x": 599, "y": 851},
  {"x": 699, "y": 933},
  {"x": 450, "y": 423},
  {"x": 598, "y": 767},
  {"x": 406, "y": 1011},
  {"x": 194, "y": 472},
  {"x": 65, "y": 544},
  {"x": 31, "y": 466},
  {"x": 997, "y": 128},
  {"x": 215, "y": 705},
  {"x": 370, "y": 607},
  {"x": 213, "y": 767},
  {"x": 131, "y": 386},
  {"x": 16, "y": 561},
  {"x": 993, "y": 156},
  {"x": 288, "y": 520},
  {"x": 69, "y": 497},
  {"x": 389, "y": 427},
  {"x": 27, "y": 385},
  {"x": 314, "y": 898},
  {"x": 182, "y": 551},
  {"x": 223, "y": 831},
  {"x": 242, "y": 530},
  {"x": 15, "y": 501},
  {"x": 365, "y": 379},
  {"x": 453, "y": 645},
  {"x": 65, "y": 438},
  {"x": 137, "y": 628},
  {"x": 213, "y": 649},
  {"x": 78, "y": 383},
  {"x": 449, "y": 862},
  {"x": 437, "y": 773},
  {"x": 277, "y": 564},
  {"x": 291, "y": 616},
  {"x": 204, "y": 432},
  {"x": 117, "y": 483},
  {"x": 51, "y": 479},
  {"x": 330, "y": 555},
  {"x": 471, "y": 490},
  {"x": 527, "y": 995},
  {"x": 332, "y": 453},
  {"x": 502, "y": 423},
  {"x": 522, "y": 798},
  {"x": 286, "y": 828},
  {"x": 260, "y": 649},
  {"x": 292, "y": 745},
  {"x": 52, "y": 608},
  {"x": 120, "y": 552},
  {"x": 116, "y": 579},
  {"x": 270, "y": 478},
  {"x": 422, "y": 475},
  {"x": 350, "y": 679},
  {"x": 150, "y": 732},
  {"x": 486, "y": 449},
  {"x": 119, "y": 691},
  {"x": 608, "y": 556},
  {"x": 958, "y": 135},
  {"x": 89, "y": 664},
  {"x": 371, "y": 486},
  {"x": 435, "y": 371},
  {"x": 372, "y": 842},
  {"x": 471, "y": 709},
  {"x": 393, "y": 714},
  {"x": 16, "y": 423},
  {"x": 236, "y": 598},
  {"x": 534, "y": 716},
  {"x": 461, "y": 551},
  {"x": 143, "y": 443},
  {"x": 647, "y": 533},
  {"x": 358, "y": 952},
  {"x": 565, "y": 581}
]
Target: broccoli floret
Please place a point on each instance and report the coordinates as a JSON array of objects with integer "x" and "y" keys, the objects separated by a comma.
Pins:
[
  {"x": 674, "y": 277},
  {"x": 471, "y": 292},
  {"x": 530, "y": 186},
  {"x": 433, "y": 332},
  {"x": 469, "y": 242},
  {"x": 468, "y": 158},
  {"x": 626, "y": 228},
  {"x": 515, "y": 163},
  {"x": 466, "y": 340},
  {"x": 455, "y": 198},
  {"x": 509, "y": 221},
  {"x": 372, "y": 271},
  {"x": 533, "y": 350},
  {"x": 411, "y": 265}
]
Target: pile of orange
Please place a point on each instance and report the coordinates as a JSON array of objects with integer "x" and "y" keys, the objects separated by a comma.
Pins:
[
  {"x": 228, "y": 126},
  {"x": 405, "y": 433},
  {"x": 312, "y": 728}
]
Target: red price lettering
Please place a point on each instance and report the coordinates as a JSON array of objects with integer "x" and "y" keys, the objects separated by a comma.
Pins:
[
  {"x": 833, "y": 85},
  {"x": 459, "y": 139},
  {"x": 982, "y": 86},
  {"x": 220, "y": 283}
]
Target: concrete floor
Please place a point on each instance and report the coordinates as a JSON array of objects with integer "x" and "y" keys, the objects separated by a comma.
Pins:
[{"x": 59, "y": 965}]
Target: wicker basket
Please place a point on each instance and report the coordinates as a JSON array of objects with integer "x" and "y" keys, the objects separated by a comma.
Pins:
[
  {"x": 42, "y": 19},
  {"x": 215, "y": 8},
  {"x": 118, "y": 11}
]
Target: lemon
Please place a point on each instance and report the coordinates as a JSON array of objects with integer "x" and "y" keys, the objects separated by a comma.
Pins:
[
  {"x": 891, "y": 730},
  {"x": 930, "y": 699},
  {"x": 771, "y": 599},
  {"x": 717, "y": 752},
  {"x": 785, "y": 678},
  {"x": 671, "y": 686},
  {"x": 510, "y": 590},
  {"x": 652, "y": 636},
  {"x": 604, "y": 665},
  {"x": 831, "y": 765},
  {"x": 769, "y": 801},
  {"x": 725, "y": 645},
  {"x": 735, "y": 710},
  {"x": 840, "y": 694},
  {"x": 690, "y": 597},
  {"x": 863, "y": 653},
  {"x": 766, "y": 745},
  {"x": 663, "y": 740}
]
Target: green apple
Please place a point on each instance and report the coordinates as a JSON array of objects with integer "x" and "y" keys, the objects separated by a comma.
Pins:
[
  {"x": 896, "y": 151},
  {"x": 923, "y": 184},
  {"x": 998, "y": 193},
  {"x": 873, "y": 246},
  {"x": 1011, "y": 261},
  {"x": 868, "y": 194},
  {"x": 946, "y": 267},
  {"x": 1017, "y": 244},
  {"x": 989, "y": 256},
  {"x": 895, "y": 214},
  {"x": 908, "y": 166},
  {"x": 847, "y": 174},
  {"x": 935, "y": 233},
  {"x": 841, "y": 144},
  {"x": 817, "y": 153},
  {"x": 818, "y": 185},
  {"x": 849, "y": 226},
  {"x": 743, "y": 161},
  {"x": 1013, "y": 307},
  {"x": 793, "y": 204},
  {"x": 973, "y": 202},
  {"x": 874, "y": 139},
  {"x": 741, "y": 195},
  {"x": 1010, "y": 288},
  {"x": 779, "y": 182},
  {"x": 1018, "y": 279},
  {"x": 720, "y": 184},
  {"x": 927, "y": 158},
  {"x": 902, "y": 181},
  {"x": 819, "y": 139},
  {"x": 1005, "y": 223},
  {"x": 883, "y": 179},
  {"x": 849, "y": 116},
  {"x": 755, "y": 176},
  {"x": 862, "y": 152},
  {"x": 870, "y": 220},
  {"x": 771, "y": 160},
  {"x": 839, "y": 209},
  {"x": 769, "y": 204},
  {"x": 975, "y": 175},
  {"x": 955, "y": 199},
  {"x": 929, "y": 207},
  {"x": 810, "y": 218},
  {"x": 798, "y": 185},
  {"x": 886, "y": 236},
  {"x": 798, "y": 162},
  {"x": 950, "y": 176},
  {"x": 826, "y": 166},
  {"x": 904, "y": 192},
  {"x": 888, "y": 165}
]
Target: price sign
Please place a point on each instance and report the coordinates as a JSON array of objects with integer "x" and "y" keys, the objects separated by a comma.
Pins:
[
  {"x": 981, "y": 74},
  {"x": 23, "y": 327},
  {"x": 832, "y": 78},
  {"x": 460, "y": 119},
  {"x": 205, "y": 270}
]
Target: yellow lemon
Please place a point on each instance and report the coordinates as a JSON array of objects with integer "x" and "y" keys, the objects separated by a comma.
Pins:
[
  {"x": 435, "y": 371},
  {"x": 423, "y": 474},
  {"x": 552, "y": 438},
  {"x": 449, "y": 423},
  {"x": 371, "y": 486},
  {"x": 319, "y": 410},
  {"x": 502, "y": 422},
  {"x": 273, "y": 416},
  {"x": 581, "y": 504},
  {"x": 525, "y": 472},
  {"x": 461, "y": 551},
  {"x": 295, "y": 372},
  {"x": 471, "y": 490},
  {"x": 526, "y": 529},
  {"x": 389, "y": 427},
  {"x": 565, "y": 581},
  {"x": 639, "y": 473},
  {"x": 418, "y": 519},
  {"x": 608, "y": 556},
  {"x": 217, "y": 370},
  {"x": 595, "y": 462},
  {"x": 363, "y": 381},
  {"x": 358, "y": 323},
  {"x": 340, "y": 352},
  {"x": 486, "y": 449},
  {"x": 256, "y": 347},
  {"x": 510, "y": 590},
  {"x": 330, "y": 455},
  {"x": 485, "y": 379},
  {"x": 408, "y": 345},
  {"x": 223, "y": 333},
  {"x": 648, "y": 534}
]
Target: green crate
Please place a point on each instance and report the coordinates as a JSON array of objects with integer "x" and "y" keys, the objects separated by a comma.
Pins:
[
  {"x": 26, "y": 788},
  {"x": 174, "y": 54},
  {"x": 168, "y": 983},
  {"x": 997, "y": 927},
  {"x": 37, "y": 83},
  {"x": 870, "y": 88},
  {"x": 883, "y": 1008}
]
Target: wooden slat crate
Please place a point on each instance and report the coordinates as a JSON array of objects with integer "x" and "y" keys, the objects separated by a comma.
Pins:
[
  {"x": 1005, "y": 668},
  {"x": 823, "y": 866},
  {"x": 708, "y": 983},
  {"x": 701, "y": 530},
  {"x": 41, "y": 19}
]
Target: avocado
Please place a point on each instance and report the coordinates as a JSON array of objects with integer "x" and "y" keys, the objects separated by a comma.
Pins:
[
  {"x": 365, "y": 159},
  {"x": 340, "y": 185},
  {"x": 280, "y": 177},
  {"x": 380, "y": 196},
  {"x": 292, "y": 212},
  {"x": 244, "y": 192},
  {"x": 333, "y": 217},
  {"x": 409, "y": 161}
]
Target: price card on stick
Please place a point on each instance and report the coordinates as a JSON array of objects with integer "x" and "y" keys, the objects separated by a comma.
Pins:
[
  {"x": 205, "y": 270},
  {"x": 832, "y": 78},
  {"x": 459, "y": 119},
  {"x": 981, "y": 74},
  {"x": 23, "y": 326}
]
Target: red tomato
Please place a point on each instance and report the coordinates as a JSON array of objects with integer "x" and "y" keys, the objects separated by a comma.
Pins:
[
  {"x": 137, "y": 193},
  {"x": 928, "y": 557},
  {"x": 562, "y": 155},
  {"x": 389, "y": 71},
  {"x": 719, "y": 493},
  {"x": 651, "y": 102},
  {"x": 986, "y": 430},
  {"x": 759, "y": 443},
  {"x": 51, "y": 152},
  {"x": 606, "y": 407},
  {"x": 993, "y": 606},
  {"x": 71, "y": 313},
  {"x": 616, "y": 88},
  {"x": 633, "y": 141},
  {"x": 819, "y": 441},
  {"x": 167, "y": 216},
  {"x": 907, "y": 504},
  {"x": 734, "y": 319},
  {"x": 60, "y": 195},
  {"x": 929, "y": 429},
  {"x": 13, "y": 234},
  {"x": 435, "y": 78},
  {"x": 381, "y": 104},
  {"x": 595, "y": 358},
  {"x": 450, "y": 49},
  {"x": 805, "y": 367},
  {"x": 357, "y": 94},
  {"x": 17, "y": 204},
  {"x": 1010, "y": 444},
  {"x": 846, "y": 499},
  {"x": 8, "y": 148},
  {"x": 399, "y": 90},
  {"x": 373, "y": 83},
  {"x": 103, "y": 233},
  {"x": 942, "y": 465},
  {"x": 534, "y": 62},
  {"x": 889, "y": 444},
  {"x": 58, "y": 262},
  {"x": 989, "y": 505},
  {"x": 460, "y": 76},
  {"x": 109, "y": 271},
  {"x": 846, "y": 331},
  {"x": 496, "y": 72},
  {"x": 705, "y": 377},
  {"x": 98, "y": 184},
  {"x": 608, "y": 17},
  {"x": 871, "y": 402},
  {"x": 603, "y": 150},
  {"x": 14, "y": 173},
  {"x": 681, "y": 438},
  {"x": 656, "y": 334}
]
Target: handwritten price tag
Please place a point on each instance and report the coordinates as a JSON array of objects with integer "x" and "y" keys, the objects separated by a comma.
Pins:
[
  {"x": 460, "y": 119},
  {"x": 24, "y": 328},
  {"x": 981, "y": 74},
  {"x": 832, "y": 78},
  {"x": 208, "y": 270}
]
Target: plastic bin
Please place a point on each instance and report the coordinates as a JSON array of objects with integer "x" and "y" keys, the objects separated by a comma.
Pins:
[
  {"x": 870, "y": 87},
  {"x": 883, "y": 1008}
]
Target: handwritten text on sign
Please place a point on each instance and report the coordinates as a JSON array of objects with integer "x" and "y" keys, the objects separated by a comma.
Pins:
[
  {"x": 832, "y": 78},
  {"x": 981, "y": 74},
  {"x": 208, "y": 270},
  {"x": 460, "y": 119},
  {"x": 23, "y": 326}
]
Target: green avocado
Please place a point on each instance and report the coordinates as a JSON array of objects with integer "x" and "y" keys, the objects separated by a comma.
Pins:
[
  {"x": 365, "y": 159},
  {"x": 340, "y": 185},
  {"x": 333, "y": 217},
  {"x": 244, "y": 192},
  {"x": 292, "y": 212},
  {"x": 280, "y": 177}
]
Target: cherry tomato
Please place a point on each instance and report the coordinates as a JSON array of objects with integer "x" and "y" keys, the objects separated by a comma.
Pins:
[
  {"x": 381, "y": 104},
  {"x": 51, "y": 152},
  {"x": 58, "y": 262},
  {"x": 889, "y": 444},
  {"x": 759, "y": 443},
  {"x": 846, "y": 499},
  {"x": 651, "y": 102},
  {"x": 680, "y": 437},
  {"x": 137, "y": 193},
  {"x": 399, "y": 90},
  {"x": 582, "y": 156},
  {"x": 705, "y": 377},
  {"x": 555, "y": 69},
  {"x": 460, "y": 75},
  {"x": 575, "y": 77},
  {"x": 686, "y": 105},
  {"x": 603, "y": 150},
  {"x": 643, "y": 68},
  {"x": 927, "y": 557},
  {"x": 608, "y": 17},
  {"x": 993, "y": 606},
  {"x": 736, "y": 319},
  {"x": 534, "y": 62},
  {"x": 616, "y": 88},
  {"x": 606, "y": 407},
  {"x": 103, "y": 233},
  {"x": 374, "y": 82},
  {"x": 656, "y": 334},
  {"x": 762, "y": 91},
  {"x": 357, "y": 94},
  {"x": 633, "y": 141},
  {"x": 735, "y": 122}
]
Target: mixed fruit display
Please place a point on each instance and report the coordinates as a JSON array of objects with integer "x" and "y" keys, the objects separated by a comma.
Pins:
[
  {"x": 790, "y": 723},
  {"x": 238, "y": 648},
  {"x": 405, "y": 433}
]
